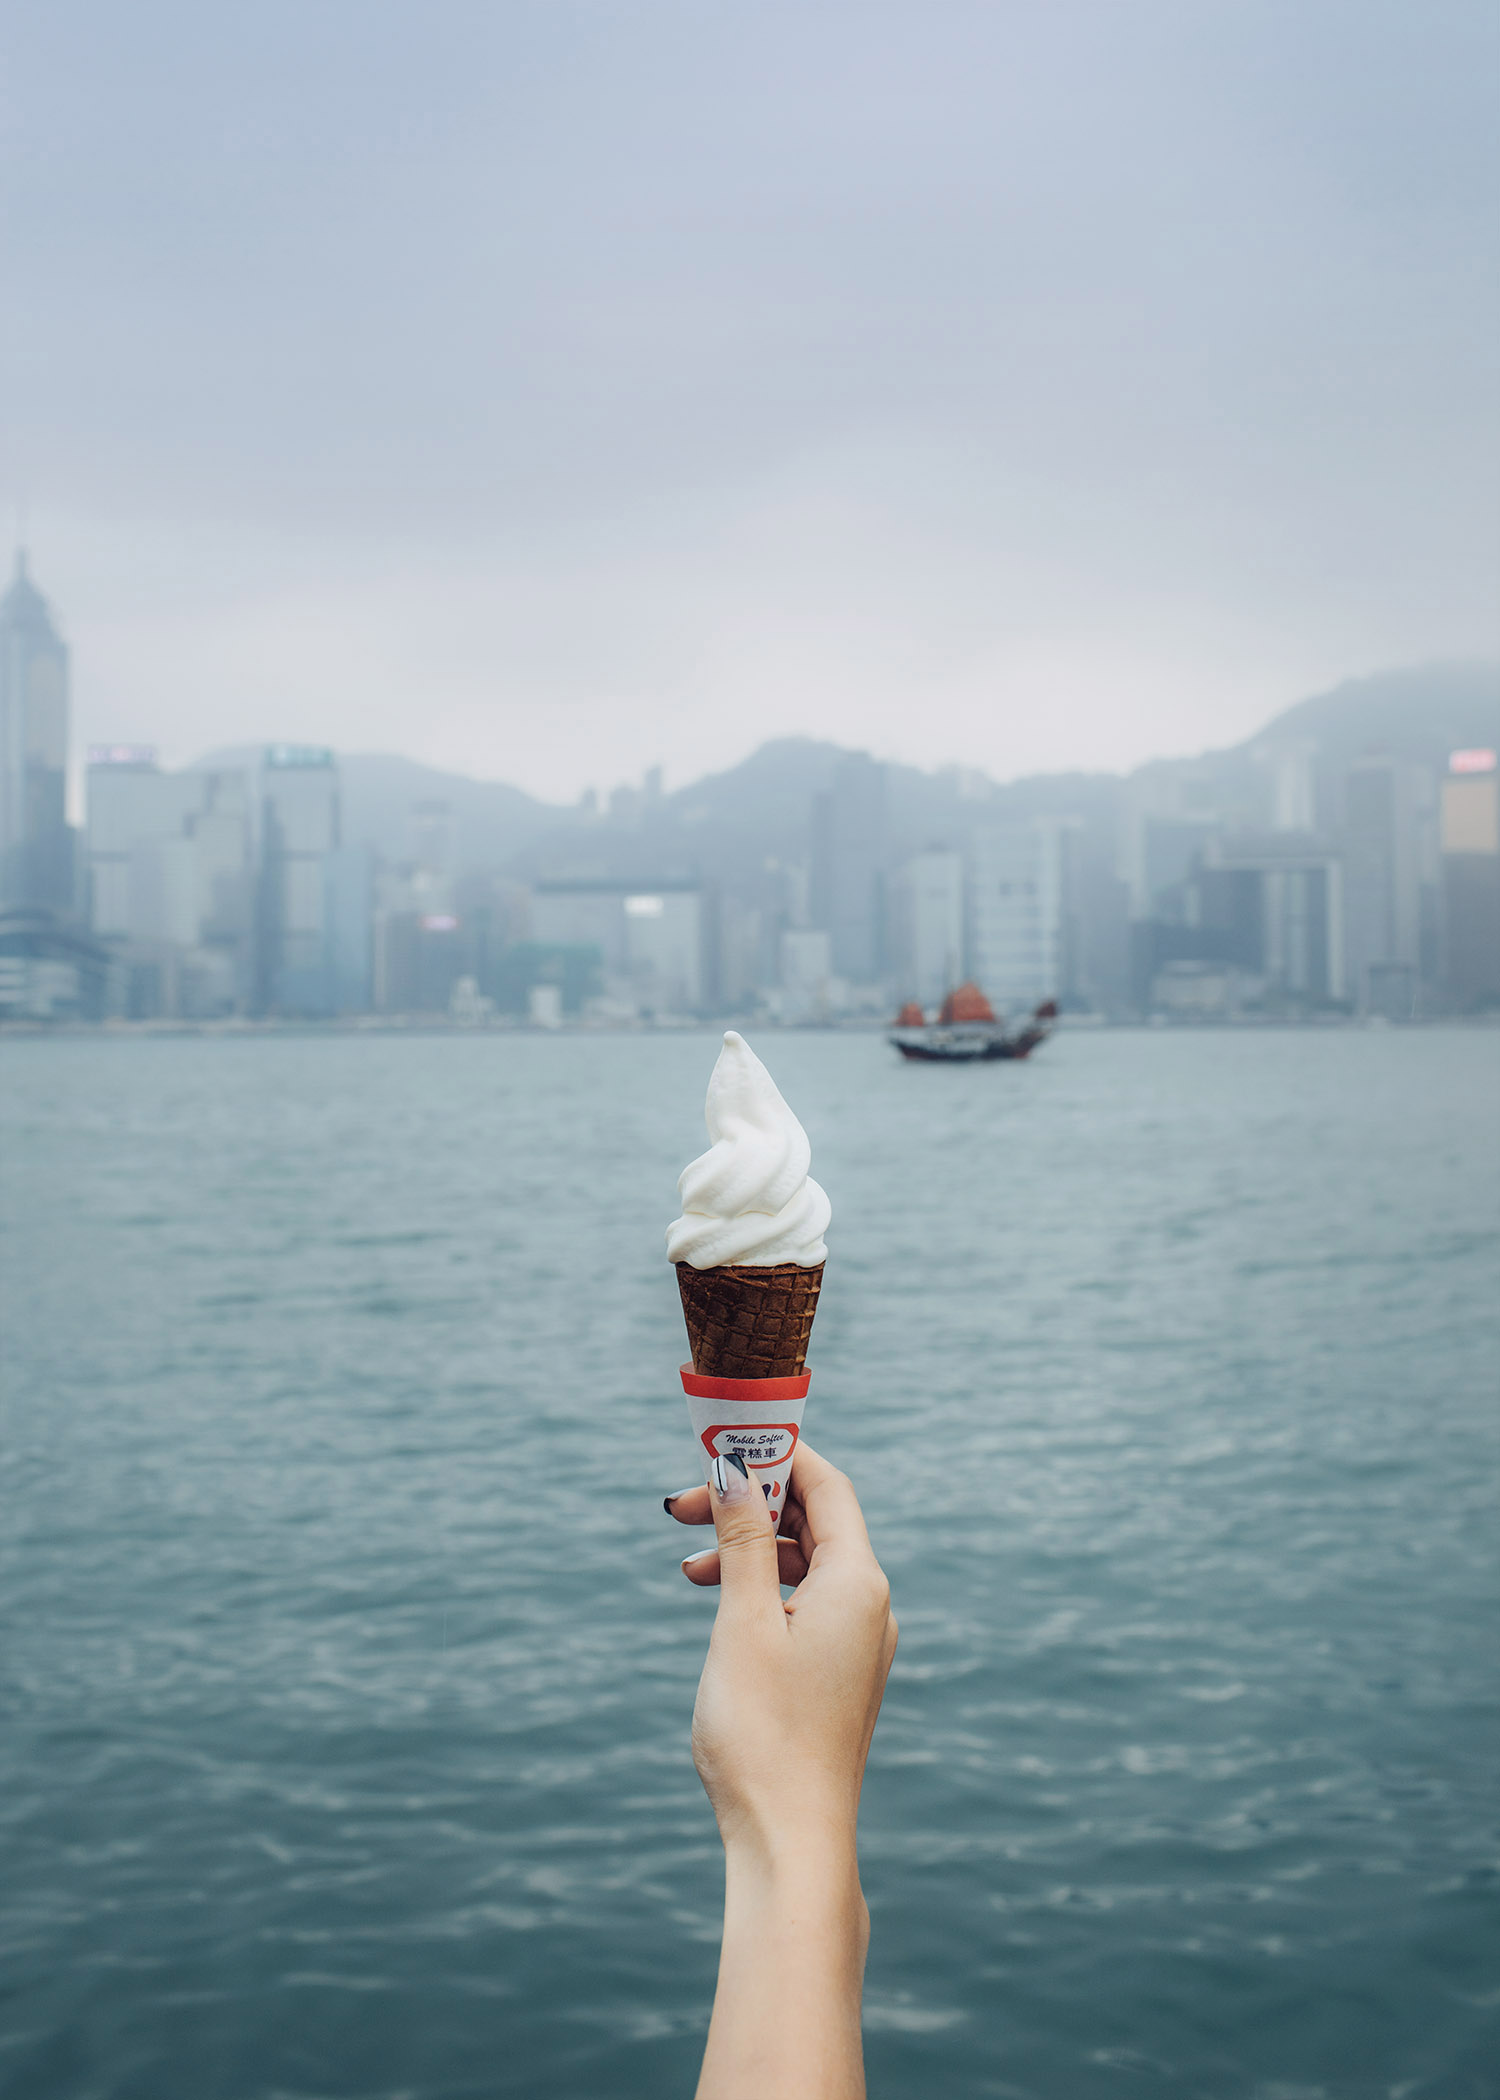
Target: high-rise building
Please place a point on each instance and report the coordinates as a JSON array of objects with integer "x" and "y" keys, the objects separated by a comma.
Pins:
[
  {"x": 1259, "y": 923},
  {"x": 136, "y": 816},
  {"x": 1281, "y": 896},
  {"x": 434, "y": 855},
  {"x": 312, "y": 928},
  {"x": 927, "y": 926},
  {"x": 50, "y": 969},
  {"x": 1471, "y": 880},
  {"x": 1016, "y": 879},
  {"x": 848, "y": 867},
  {"x": 1387, "y": 806},
  {"x": 1294, "y": 794},
  {"x": 1168, "y": 815},
  {"x": 648, "y": 936},
  {"x": 36, "y": 845},
  {"x": 742, "y": 933},
  {"x": 169, "y": 881},
  {"x": 809, "y": 990}
]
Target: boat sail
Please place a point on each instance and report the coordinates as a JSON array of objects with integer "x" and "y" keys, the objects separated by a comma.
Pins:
[{"x": 968, "y": 1031}]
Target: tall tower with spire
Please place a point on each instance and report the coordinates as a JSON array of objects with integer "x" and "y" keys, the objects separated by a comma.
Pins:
[{"x": 36, "y": 846}]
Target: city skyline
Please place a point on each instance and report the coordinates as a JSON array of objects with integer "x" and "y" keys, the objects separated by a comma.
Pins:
[{"x": 1344, "y": 861}]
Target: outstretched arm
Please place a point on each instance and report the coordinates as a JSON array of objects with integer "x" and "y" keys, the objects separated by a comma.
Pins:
[{"x": 786, "y": 1709}]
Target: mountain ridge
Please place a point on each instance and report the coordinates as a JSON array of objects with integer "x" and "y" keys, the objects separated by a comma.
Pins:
[{"x": 761, "y": 806}]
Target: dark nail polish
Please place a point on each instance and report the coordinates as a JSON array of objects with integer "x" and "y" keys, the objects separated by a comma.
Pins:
[
  {"x": 675, "y": 1496},
  {"x": 731, "y": 1475}
]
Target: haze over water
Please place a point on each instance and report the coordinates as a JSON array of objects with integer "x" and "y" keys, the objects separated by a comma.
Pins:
[{"x": 348, "y": 1670}]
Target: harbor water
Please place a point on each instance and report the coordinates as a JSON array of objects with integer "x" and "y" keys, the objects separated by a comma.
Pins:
[{"x": 346, "y": 1667}]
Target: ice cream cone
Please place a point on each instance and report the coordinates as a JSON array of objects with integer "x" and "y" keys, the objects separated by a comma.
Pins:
[
  {"x": 749, "y": 1252},
  {"x": 748, "y": 1322}
]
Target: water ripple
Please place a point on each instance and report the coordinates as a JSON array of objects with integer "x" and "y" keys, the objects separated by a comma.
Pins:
[{"x": 346, "y": 1671}]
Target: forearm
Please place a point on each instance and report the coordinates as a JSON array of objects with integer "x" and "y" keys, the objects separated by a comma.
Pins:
[{"x": 791, "y": 1973}]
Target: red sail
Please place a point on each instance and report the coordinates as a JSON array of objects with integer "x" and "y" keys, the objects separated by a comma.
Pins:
[
  {"x": 911, "y": 1016},
  {"x": 968, "y": 1003}
]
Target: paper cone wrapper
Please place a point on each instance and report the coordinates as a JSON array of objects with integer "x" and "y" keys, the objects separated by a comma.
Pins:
[{"x": 760, "y": 1418}]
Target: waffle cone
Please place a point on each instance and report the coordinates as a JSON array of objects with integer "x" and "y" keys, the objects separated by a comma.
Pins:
[{"x": 745, "y": 1322}]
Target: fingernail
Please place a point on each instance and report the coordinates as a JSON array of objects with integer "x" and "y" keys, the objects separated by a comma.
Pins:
[
  {"x": 731, "y": 1476},
  {"x": 675, "y": 1496},
  {"x": 699, "y": 1556}
]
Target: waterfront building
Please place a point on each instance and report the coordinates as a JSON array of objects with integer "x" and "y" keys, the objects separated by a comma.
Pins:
[
  {"x": 1471, "y": 881},
  {"x": 1281, "y": 895},
  {"x": 1015, "y": 898},
  {"x": 50, "y": 969},
  {"x": 742, "y": 941},
  {"x": 848, "y": 862},
  {"x": 809, "y": 989},
  {"x": 36, "y": 845},
  {"x": 927, "y": 926},
  {"x": 433, "y": 862},
  {"x": 1258, "y": 921},
  {"x": 169, "y": 882},
  {"x": 1389, "y": 883},
  {"x": 314, "y": 895},
  {"x": 648, "y": 936},
  {"x": 420, "y": 957},
  {"x": 1169, "y": 814}
]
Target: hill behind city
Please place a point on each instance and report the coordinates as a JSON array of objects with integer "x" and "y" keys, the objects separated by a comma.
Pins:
[{"x": 761, "y": 809}]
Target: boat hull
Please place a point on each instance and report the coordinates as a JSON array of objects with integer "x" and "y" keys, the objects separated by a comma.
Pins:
[{"x": 967, "y": 1047}]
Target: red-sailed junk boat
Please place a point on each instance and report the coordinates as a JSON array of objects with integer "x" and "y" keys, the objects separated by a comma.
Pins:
[{"x": 967, "y": 1032}]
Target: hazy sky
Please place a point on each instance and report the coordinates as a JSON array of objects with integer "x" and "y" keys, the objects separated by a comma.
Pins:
[{"x": 549, "y": 389}]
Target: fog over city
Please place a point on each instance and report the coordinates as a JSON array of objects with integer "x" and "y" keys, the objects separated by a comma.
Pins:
[{"x": 547, "y": 392}]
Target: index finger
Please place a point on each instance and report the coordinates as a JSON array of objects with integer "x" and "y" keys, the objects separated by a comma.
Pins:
[{"x": 835, "y": 1521}]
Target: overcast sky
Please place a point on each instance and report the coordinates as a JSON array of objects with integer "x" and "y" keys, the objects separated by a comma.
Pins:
[{"x": 546, "y": 390}]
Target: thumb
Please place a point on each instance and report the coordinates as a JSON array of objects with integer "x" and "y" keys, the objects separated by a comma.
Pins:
[{"x": 748, "y": 1580}]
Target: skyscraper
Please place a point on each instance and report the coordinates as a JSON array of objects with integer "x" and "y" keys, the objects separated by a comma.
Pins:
[
  {"x": 169, "y": 883},
  {"x": 848, "y": 867},
  {"x": 1471, "y": 880},
  {"x": 36, "y": 846},
  {"x": 1384, "y": 803},
  {"x": 1277, "y": 899},
  {"x": 648, "y": 936},
  {"x": 1016, "y": 910},
  {"x": 304, "y": 911},
  {"x": 927, "y": 925}
]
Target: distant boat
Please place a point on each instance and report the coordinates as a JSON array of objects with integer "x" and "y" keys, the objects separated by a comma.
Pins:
[{"x": 968, "y": 1031}]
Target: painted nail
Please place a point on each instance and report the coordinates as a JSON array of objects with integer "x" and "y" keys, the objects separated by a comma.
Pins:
[
  {"x": 699, "y": 1556},
  {"x": 676, "y": 1496},
  {"x": 731, "y": 1476}
]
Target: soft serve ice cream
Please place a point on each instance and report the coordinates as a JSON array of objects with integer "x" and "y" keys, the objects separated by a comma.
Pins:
[
  {"x": 749, "y": 1253},
  {"x": 749, "y": 1201}
]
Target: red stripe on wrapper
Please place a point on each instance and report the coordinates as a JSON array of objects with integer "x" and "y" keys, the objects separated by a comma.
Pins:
[{"x": 750, "y": 1392}]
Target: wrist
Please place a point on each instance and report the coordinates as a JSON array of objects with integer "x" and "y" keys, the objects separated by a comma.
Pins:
[
  {"x": 808, "y": 1869},
  {"x": 817, "y": 1837}
]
